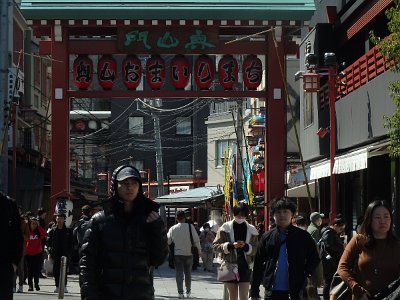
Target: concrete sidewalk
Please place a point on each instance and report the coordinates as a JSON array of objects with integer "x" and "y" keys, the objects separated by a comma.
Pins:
[{"x": 204, "y": 286}]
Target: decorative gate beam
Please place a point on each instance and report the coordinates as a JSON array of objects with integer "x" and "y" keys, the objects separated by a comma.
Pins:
[
  {"x": 110, "y": 47},
  {"x": 165, "y": 94}
]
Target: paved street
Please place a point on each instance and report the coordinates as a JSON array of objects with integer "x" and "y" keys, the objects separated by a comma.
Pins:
[{"x": 204, "y": 286}]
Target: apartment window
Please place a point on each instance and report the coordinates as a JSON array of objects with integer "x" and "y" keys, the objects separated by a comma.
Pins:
[
  {"x": 183, "y": 167},
  {"x": 222, "y": 146},
  {"x": 308, "y": 109},
  {"x": 222, "y": 107},
  {"x": 36, "y": 100},
  {"x": 184, "y": 125},
  {"x": 136, "y": 125}
]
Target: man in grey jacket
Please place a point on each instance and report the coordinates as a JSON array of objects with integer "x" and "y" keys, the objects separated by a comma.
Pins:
[
  {"x": 315, "y": 226},
  {"x": 179, "y": 234}
]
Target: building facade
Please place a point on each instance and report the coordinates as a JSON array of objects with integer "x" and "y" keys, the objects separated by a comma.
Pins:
[{"x": 355, "y": 138}]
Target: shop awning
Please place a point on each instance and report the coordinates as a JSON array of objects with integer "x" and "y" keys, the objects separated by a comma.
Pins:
[
  {"x": 320, "y": 170},
  {"x": 349, "y": 162},
  {"x": 301, "y": 191}
]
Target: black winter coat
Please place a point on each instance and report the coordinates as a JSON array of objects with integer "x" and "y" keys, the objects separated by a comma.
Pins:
[
  {"x": 118, "y": 250},
  {"x": 60, "y": 242},
  {"x": 302, "y": 258},
  {"x": 332, "y": 251},
  {"x": 11, "y": 250}
]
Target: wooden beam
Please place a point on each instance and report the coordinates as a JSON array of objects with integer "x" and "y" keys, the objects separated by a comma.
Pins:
[
  {"x": 110, "y": 47},
  {"x": 165, "y": 94}
]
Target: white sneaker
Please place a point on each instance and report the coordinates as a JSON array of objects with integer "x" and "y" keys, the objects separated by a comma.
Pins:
[
  {"x": 56, "y": 290},
  {"x": 65, "y": 290},
  {"x": 181, "y": 296},
  {"x": 188, "y": 294}
]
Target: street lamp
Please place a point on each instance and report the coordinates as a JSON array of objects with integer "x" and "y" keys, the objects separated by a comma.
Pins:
[
  {"x": 105, "y": 175},
  {"x": 311, "y": 83},
  {"x": 198, "y": 174},
  {"x": 145, "y": 174}
]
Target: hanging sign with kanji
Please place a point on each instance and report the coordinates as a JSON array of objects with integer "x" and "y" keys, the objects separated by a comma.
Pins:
[
  {"x": 179, "y": 72},
  {"x": 83, "y": 72},
  {"x": 107, "y": 72},
  {"x": 131, "y": 72},
  {"x": 204, "y": 72},
  {"x": 168, "y": 40},
  {"x": 155, "y": 72},
  {"x": 228, "y": 72},
  {"x": 252, "y": 72}
]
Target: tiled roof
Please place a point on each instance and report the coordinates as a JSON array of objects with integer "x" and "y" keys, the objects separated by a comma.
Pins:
[{"x": 168, "y": 10}]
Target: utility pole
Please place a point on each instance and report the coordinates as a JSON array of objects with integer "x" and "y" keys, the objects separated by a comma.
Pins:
[
  {"x": 4, "y": 65},
  {"x": 159, "y": 158}
]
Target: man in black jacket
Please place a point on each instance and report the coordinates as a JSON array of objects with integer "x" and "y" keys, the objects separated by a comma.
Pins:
[
  {"x": 59, "y": 243},
  {"x": 123, "y": 243},
  {"x": 286, "y": 256},
  {"x": 11, "y": 250}
]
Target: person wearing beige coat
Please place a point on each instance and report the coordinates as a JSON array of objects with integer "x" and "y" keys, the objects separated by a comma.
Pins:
[{"x": 236, "y": 242}]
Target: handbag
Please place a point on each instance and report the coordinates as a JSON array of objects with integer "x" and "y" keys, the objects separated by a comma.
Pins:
[
  {"x": 226, "y": 272},
  {"x": 339, "y": 289},
  {"x": 193, "y": 249}
]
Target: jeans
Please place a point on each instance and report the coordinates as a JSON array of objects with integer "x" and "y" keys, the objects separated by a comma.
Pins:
[
  {"x": 183, "y": 265},
  {"x": 208, "y": 258}
]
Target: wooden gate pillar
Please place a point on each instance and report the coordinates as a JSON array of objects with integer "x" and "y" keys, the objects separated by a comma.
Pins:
[
  {"x": 275, "y": 124},
  {"x": 60, "y": 179}
]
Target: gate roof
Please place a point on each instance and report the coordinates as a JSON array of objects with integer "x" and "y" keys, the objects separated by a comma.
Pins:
[{"x": 171, "y": 10}]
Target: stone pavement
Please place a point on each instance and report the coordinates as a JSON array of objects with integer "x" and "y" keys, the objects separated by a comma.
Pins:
[{"x": 204, "y": 286}]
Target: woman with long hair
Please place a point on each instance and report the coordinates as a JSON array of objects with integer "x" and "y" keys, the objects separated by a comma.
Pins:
[
  {"x": 371, "y": 259},
  {"x": 34, "y": 253},
  {"x": 237, "y": 241}
]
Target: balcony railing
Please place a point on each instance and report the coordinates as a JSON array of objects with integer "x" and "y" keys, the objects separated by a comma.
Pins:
[{"x": 366, "y": 68}]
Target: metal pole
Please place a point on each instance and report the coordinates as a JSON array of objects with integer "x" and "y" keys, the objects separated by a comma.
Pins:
[
  {"x": 14, "y": 151},
  {"x": 4, "y": 65},
  {"x": 63, "y": 273},
  {"x": 148, "y": 183},
  {"x": 332, "y": 136},
  {"x": 159, "y": 160}
]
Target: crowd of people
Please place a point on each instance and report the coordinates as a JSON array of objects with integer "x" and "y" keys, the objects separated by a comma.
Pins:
[{"x": 119, "y": 247}]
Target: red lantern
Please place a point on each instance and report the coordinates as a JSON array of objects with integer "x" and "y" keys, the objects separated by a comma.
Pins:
[
  {"x": 228, "y": 72},
  {"x": 204, "y": 72},
  {"x": 155, "y": 72},
  {"x": 131, "y": 72},
  {"x": 107, "y": 72},
  {"x": 252, "y": 72},
  {"x": 180, "y": 74},
  {"x": 83, "y": 72}
]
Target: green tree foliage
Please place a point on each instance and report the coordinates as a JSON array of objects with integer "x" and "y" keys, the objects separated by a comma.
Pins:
[{"x": 390, "y": 48}]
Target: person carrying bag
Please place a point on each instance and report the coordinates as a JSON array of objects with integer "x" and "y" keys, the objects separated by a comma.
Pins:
[
  {"x": 236, "y": 242},
  {"x": 371, "y": 260}
]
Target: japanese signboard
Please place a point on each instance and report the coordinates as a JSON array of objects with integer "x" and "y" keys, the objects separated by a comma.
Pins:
[{"x": 168, "y": 40}]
